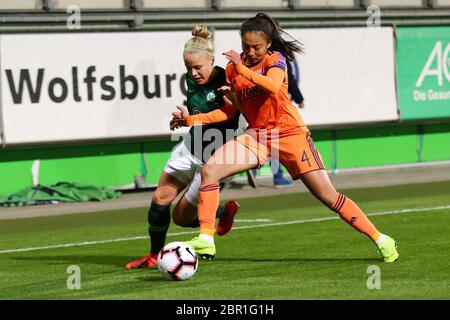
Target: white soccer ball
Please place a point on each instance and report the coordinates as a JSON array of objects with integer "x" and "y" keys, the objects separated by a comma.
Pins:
[{"x": 177, "y": 261}]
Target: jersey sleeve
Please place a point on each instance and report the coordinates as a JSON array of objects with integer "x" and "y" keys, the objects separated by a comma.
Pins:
[
  {"x": 277, "y": 60},
  {"x": 229, "y": 72},
  {"x": 225, "y": 113},
  {"x": 274, "y": 77}
]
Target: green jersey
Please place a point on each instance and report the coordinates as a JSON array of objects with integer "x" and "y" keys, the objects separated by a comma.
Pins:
[{"x": 203, "y": 141}]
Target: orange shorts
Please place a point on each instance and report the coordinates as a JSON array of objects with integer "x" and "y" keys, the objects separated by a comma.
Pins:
[{"x": 294, "y": 151}]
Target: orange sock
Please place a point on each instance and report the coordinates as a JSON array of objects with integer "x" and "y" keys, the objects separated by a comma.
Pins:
[
  {"x": 208, "y": 202},
  {"x": 352, "y": 214}
]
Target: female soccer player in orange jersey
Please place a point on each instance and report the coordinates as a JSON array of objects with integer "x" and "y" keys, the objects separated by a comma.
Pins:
[{"x": 259, "y": 88}]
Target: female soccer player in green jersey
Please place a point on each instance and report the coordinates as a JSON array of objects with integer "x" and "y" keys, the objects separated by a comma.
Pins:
[{"x": 183, "y": 168}]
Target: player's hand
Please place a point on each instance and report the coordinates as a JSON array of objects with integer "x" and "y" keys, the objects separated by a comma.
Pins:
[
  {"x": 228, "y": 94},
  {"x": 230, "y": 97},
  {"x": 177, "y": 123},
  {"x": 181, "y": 113},
  {"x": 224, "y": 89},
  {"x": 179, "y": 118},
  {"x": 233, "y": 56},
  {"x": 302, "y": 105}
]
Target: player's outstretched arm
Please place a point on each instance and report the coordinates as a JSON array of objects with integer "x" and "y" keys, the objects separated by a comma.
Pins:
[{"x": 183, "y": 119}]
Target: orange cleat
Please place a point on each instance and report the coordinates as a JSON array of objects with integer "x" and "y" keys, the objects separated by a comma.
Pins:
[
  {"x": 149, "y": 261},
  {"x": 226, "y": 223}
]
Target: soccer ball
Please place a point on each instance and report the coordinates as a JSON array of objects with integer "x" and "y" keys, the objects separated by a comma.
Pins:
[{"x": 177, "y": 261}]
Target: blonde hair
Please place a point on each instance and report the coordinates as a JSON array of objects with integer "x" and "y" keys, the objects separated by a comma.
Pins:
[{"x": 201, "y": 41}]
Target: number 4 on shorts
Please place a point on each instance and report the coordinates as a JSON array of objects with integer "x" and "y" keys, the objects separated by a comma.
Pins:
[{"x": 305, "y": 158}]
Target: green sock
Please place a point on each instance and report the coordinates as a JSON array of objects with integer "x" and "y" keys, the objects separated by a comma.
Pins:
[
  {"x": 220, "y": 213},
  {"x": 158, "y": 220}
]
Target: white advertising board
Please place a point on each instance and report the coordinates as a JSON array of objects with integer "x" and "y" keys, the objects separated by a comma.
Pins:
[
  {"x": 66, "y": 87},
  {"x": 99, "y": 86}
]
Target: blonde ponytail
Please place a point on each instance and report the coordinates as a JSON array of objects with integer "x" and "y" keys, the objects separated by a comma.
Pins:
[{"x": 201, "y": 41}]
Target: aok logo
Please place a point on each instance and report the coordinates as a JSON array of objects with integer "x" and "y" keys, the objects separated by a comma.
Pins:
[{"x": 437, "y": 65}]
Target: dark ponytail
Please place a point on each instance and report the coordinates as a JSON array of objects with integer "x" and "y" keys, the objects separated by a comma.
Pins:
[{"x": 264, "y": 23}]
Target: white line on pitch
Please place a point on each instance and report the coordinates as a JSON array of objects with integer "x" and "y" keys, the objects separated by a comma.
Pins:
[
  {"x": 67, "y": 245},
  {"x": 253, "y": 220}
]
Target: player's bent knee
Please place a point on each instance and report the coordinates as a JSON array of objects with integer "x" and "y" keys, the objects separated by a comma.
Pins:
[
  {"x": 210, "y": 173},
  {"x": 162, "y": 197}
]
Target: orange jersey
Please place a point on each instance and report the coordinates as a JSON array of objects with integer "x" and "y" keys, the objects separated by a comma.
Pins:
[{"x": 264, "y": 94}]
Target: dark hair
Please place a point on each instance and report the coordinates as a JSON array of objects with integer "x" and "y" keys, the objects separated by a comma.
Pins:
[{"x": 264, "y": 23}]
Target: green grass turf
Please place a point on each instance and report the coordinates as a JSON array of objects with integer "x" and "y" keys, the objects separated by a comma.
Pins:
[{"x": 312, "y": 260}]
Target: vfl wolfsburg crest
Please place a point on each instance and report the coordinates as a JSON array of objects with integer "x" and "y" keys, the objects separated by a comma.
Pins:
[{"x": 210, "y": 96}]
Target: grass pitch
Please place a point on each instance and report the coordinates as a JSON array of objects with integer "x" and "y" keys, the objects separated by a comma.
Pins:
[{"x": 300, "y": 250}]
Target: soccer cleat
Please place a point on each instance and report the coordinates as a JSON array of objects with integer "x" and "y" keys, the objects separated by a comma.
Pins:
[
  {"x": 203, "y": 248},
  {"x": 149, "y": 261},
  {"x": 226, "y": 223},
  {"x": 388, "y": 250}
]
